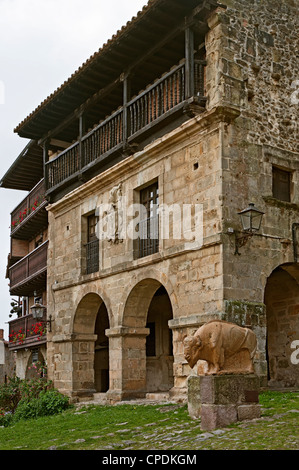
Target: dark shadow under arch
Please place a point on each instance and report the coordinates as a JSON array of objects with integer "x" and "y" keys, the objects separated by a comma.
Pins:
[
  {"x": 91, "y": 345},
  {"x": 149, "y": 306},
  {"x": 282, "y": 307}
]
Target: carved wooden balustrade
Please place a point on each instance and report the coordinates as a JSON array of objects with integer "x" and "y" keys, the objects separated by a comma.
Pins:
[
  {"x": 25, "y": 271},
  {"x": 159, "y": 100},
  {"x": 32, "y": 203}
]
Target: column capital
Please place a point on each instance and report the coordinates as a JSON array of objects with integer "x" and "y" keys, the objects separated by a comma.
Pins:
[{"x": 127, "y": 331}]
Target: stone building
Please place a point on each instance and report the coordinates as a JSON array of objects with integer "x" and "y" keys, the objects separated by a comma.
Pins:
[
  {"x": 191, "y": 106},
  {"x": 27, "y": 260},
  {"x": 7, "y": 363}
]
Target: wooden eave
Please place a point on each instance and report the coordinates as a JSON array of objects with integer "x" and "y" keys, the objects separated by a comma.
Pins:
[
  {"x": 130, "y": 45},
  {"x": 27, "y": 169}
]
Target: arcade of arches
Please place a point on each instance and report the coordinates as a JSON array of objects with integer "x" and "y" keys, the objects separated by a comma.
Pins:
[{"x": 136, "y": 358}]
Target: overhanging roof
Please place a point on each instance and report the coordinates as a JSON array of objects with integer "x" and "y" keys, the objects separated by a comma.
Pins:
[
  {"x": 27, "y": 169},
  {"x": 150, "y": 26}
]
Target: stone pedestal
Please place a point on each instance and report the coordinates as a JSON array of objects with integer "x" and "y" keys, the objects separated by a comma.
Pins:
[
  {"x": 194, "y": 405},
  {"x": 220, "y": 400}
]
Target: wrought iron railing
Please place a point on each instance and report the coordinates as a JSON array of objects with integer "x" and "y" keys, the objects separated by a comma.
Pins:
[
  {"x": 92, "y": 256},
  {"x": 148, "y": 236},
  {"x": 158, "y": 100}
]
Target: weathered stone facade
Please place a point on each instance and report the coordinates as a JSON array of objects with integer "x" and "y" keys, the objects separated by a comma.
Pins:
[
  {"x": 223, "y": 160},
  {"x": 7, "y": 361}
]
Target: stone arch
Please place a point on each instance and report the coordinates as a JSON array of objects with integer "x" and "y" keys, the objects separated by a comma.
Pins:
[
  {"x": 138, "y": 302},
  {"x": 141, "y": 290},
  {"x": 147, "y": 311},
  {"x": 35, "y": 365},
  {"x": 86, "y": 313},
  {"x": 90, "y": 347},
  {"x": 282, "y": 311},
  {"x": 88, "y": 298},
  {"x": 291, "y": 267}
]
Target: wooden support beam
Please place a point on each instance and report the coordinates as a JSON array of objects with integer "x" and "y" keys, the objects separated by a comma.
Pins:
[
  {"x": 155, "y": 48},
  {"x": 189, "y": 55},
  {"x": 81, "y": 134},
  {"x": 60, "y": 143},
  {"x": 193, "y": 18},
  {"x": 126, "y": 99},
  {"x": 45, "y": 161},
  {"x": 84, "y": 107}
]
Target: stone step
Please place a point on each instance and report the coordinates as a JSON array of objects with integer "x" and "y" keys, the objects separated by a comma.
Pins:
[
  {"x": 157, "y": 396},
  {"x": 99, "y": 397}
]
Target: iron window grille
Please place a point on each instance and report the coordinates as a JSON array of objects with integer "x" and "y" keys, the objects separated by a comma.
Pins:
[
  {"x": 92, "y": 246},
  {"x": 148, "y": 240}
]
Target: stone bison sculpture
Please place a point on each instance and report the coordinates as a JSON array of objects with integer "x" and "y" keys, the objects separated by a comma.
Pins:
[{"x": 226, "y": 348}]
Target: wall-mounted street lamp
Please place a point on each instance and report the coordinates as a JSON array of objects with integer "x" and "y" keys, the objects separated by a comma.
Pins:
[
  {"x": 38, "y": 310},
  {"x": 251, "y": 220}
]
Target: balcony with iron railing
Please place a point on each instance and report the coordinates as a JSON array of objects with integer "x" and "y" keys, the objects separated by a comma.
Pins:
[
  {"x": 133, "y": 122},
  {"x": 30, "y": 216},
  {"x": 29, "y": 273},
  {"x": 27, "y": 332}
]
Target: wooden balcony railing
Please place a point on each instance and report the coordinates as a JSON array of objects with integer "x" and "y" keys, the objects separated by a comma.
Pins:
[
  {"x": 25, "y": 331},
  {"x": 156, "y": 100},
  {"x": 29, "y": 205},
  {"x": 27, "y": 269},
  {"x": 135, "y": 117}
]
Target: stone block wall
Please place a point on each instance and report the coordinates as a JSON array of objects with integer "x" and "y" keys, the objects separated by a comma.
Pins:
[
  {"x": 7, "y": 360},
  {"x": 186, "y": 165},
  {"x": 221, "y": 159},
  {"x": 252, "y": 48}
]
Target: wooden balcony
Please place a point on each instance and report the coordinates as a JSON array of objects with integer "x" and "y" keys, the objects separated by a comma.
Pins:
[
  {"x": 138, "y": 119},
  {"x": 29, "y": 273},
  {"x": 30, "y": 216},
  {"x": 27, "y": 332}
]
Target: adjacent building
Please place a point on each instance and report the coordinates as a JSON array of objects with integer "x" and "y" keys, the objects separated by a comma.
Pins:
[
  {"x": 7, "y": 360},
  {"x": 150, "y": 151},
  {"x": 27, "y": 260}
]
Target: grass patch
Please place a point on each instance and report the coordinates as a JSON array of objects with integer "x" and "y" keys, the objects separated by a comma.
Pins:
[{"x": 159, "y": 427}]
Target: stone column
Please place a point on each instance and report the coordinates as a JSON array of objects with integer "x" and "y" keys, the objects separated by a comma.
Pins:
[
  {"x": 71, "y": 365},
  {"x": 127, "y": 357},
  {"x": 83, "y": 364}
]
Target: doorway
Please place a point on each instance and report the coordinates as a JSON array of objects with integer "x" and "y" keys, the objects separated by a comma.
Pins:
[
  {"x": 101, "y": 355},
  {"x": 282, "y": 307}
]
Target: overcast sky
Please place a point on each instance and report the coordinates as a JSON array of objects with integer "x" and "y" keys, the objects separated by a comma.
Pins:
[{"x": 42, "y": 42}]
